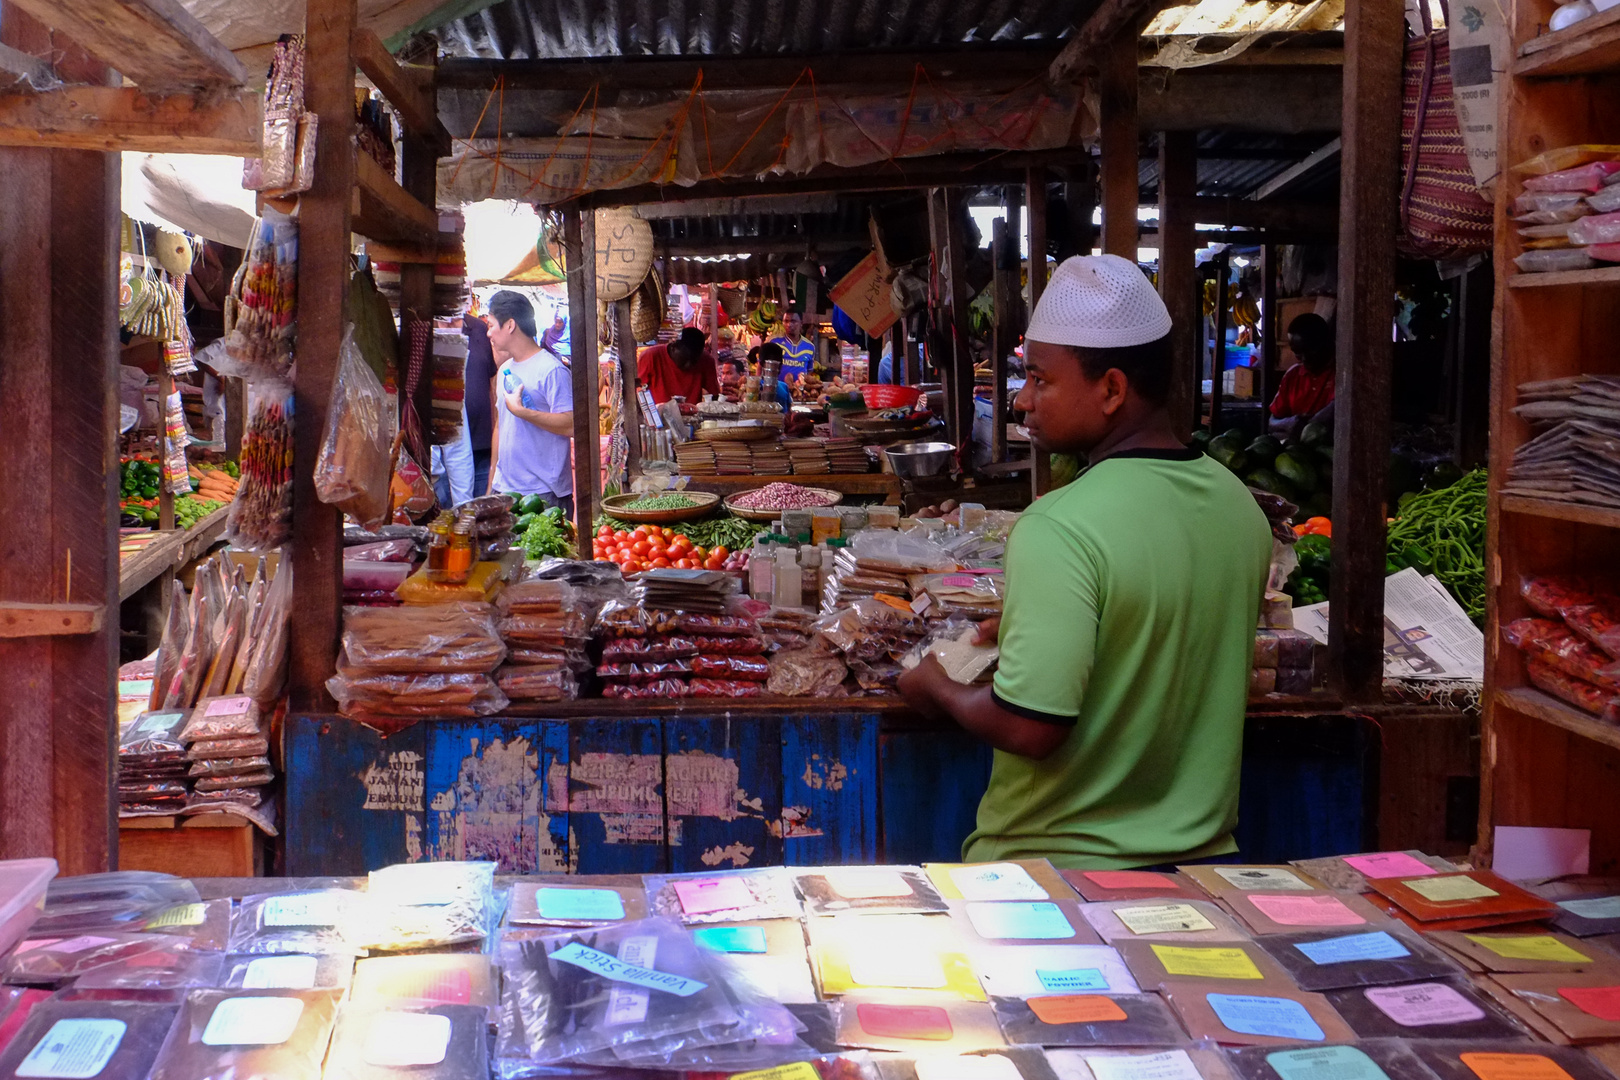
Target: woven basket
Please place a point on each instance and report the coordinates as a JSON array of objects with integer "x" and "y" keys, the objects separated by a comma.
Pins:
[
  {"x": 1443, "y": 214},
  {"x": 647, "y": 307}
]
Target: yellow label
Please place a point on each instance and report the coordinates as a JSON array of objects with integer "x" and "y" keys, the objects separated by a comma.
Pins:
[
  {"x": 799, "y": 1070},
  {"x": 1441, "y": 889},
  {"x": 1163, "y": 919},
  {"x": 1207, "y": 963},
  {"x": 180, "y": 915},
  {"x": 1530, "y": 947}
]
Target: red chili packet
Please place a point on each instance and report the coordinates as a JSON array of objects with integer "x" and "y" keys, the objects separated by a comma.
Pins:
[
  {"x": 1129, "y": 879},
  {"x": 1602, "y": 1002},
  {"x": 928, "y": 1022}
]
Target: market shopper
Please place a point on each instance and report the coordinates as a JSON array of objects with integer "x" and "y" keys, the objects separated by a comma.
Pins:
[
  {"x": 798, "y": 352},
  {"x": 534, "y": 424},
  {"x": 682, "y": 369},
  {"x": 1127, "y": 633},
  {"x": 1305, "y": 395}
]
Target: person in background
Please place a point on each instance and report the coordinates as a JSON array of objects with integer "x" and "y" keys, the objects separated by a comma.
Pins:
[
  {"x": 480, "y": 401},
  {"x": 730, "y": 380},
  {"x": 556, "y": 334},
  {"x": 1132, "y": 594},
  {"x": 1305, "y": 395},
  {"x": 798, "y": 352},
  {"x": 534, "y": 403},
  {"x": 886, "y": 363},
  {"x": 682, "y": 369}
]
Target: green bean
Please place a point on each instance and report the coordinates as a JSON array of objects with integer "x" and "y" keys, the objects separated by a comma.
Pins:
[{"x": 1450, "y": 525}]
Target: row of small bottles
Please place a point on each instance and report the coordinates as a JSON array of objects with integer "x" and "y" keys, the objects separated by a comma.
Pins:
[
  {"x": 789, "y": 572},
  {"x": 451, "y": 548}
]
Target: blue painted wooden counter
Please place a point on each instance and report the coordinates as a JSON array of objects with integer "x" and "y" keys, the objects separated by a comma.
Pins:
[{"x": 685, "y": 791}]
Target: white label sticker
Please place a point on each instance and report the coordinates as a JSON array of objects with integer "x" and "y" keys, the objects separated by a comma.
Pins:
[
  {"x": 253, "y": 1021},
  {"x": 1269, "y": 878},
  {"x": 158, "y": 721},
  {"x": 996, "y": 881},
  {"x": 229, "y": 706},
  {"x": 418, "y": 885},
  {"x": 911, "y": 968},
  {"x": 397, "y": 1040},
  {"x": 967, "y": 1067},
  {"x": 301, "y": 909},
  {"x": 628, "y": 1004},
  {"x": 1170, "y": 1065},
  {"x": 292, "y": 972},
  {"x": 872, "y": 883},
  {"x": 77, "y": 1049}
]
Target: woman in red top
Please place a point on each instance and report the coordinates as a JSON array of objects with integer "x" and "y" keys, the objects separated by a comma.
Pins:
[
  {"x": 682, "y": 369},
  {"x": 1306, "y": 393}
]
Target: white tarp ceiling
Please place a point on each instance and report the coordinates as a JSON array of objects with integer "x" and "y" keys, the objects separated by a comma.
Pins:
[{"x": 199, "y": 193}]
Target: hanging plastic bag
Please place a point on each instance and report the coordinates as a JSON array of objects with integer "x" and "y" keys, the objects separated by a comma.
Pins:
[
  {"x": 265, "y": 300},
  {"x": 263, "y": 677},
  {"x": 353, "y": 468},
  {"x": 261, "y": 514}
]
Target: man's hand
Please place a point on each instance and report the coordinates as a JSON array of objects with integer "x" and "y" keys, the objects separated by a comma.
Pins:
[
  {"x": 918, "y": 686},
  {"x": 514, "y": 403},
  {"x": 989, "y": 632}
]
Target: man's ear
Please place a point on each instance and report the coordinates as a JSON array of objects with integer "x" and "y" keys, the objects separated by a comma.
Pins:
[{"x": 1116, "y": 385}]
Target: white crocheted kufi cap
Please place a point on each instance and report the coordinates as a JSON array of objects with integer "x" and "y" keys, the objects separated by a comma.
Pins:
[{"x": 1099, "y": 302}]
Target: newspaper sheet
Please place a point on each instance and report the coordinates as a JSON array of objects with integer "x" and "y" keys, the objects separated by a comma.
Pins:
[{"x": 1427, "y": 635}]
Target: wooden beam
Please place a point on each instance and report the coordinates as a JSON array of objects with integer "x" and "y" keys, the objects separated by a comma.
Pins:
[
  {"x": 1111, "y": 21},
  {"x": 58, "y": 377},
  {"x": 419, "y": 171},
  {"x": 1242, "y": 99},
  {"x": 1269, "y": 341},
  {"x": 409, "y": 88},
  {"x": 37, "y": 72},
  {"x": 957, "y": 371},
  {"x": 579, "y": 245},
  {"x": 1222, "y": 267},
  {"x": 739, "y": 246},
  {"x": 21, "y": 620},
  {"x": 385, "y": 211},
  {"x": 1117, "y": 87},
  {"x": 323, "y": 289},
  {"x": 1178, "y": 271},
  {"x": 124, "y": 118},
  {"x": 1311, "y": 162},
  {"x": 156, "y": 44},
  {"x": 1295, "y": 217},
  {"x": 1375, "y": 35}
]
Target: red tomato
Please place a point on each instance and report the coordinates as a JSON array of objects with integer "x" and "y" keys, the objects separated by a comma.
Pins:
[
  {"x": 657, "y": 544},
  {"x": 680, "y": 542},
  {"x": 639, "y": 534},
  {"x": 700, "y": 552},
  {"x": 621, "y": 535},
  {"x": 713, "y": 562},
  {"x": 660, "y": 563},
  {"x": 640, "y": 548},
  {"x": 720, "y": 551},
  {"x": 605, "y": 531}
]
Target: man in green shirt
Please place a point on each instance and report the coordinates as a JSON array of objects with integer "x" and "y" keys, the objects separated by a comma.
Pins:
[{"x": 1127, "y": 633}]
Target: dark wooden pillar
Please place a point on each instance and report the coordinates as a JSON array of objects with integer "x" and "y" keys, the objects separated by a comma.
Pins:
[
  {"x": 1375, "y": 32},
  {"x": 1117, "y": 86},
  {"x": 579, "y": 241},
  {"x": 1178, "y": 268},
  {"x": 323, "y": 287},
  {"x": 625, "y": 334},
  {"x": 1040, "y": 473},
  {"x": 1268, "y": 322},
  {"x": 418, "y": 171},
  {"x": 1222, "y": 267},
  {"x": 59, "y": 382},
  {"x": 1004, "y": 335}
]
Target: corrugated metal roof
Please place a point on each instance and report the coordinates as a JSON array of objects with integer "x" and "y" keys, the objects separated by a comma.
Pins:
[
  {"x": 541, "y": 29},
  {"x": 1233, "y": 164}
]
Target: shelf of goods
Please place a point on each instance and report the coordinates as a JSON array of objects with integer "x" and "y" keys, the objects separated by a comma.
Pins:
[
  {"x": 143, "y": 564},
  {"x": 1548, "y": 756}
]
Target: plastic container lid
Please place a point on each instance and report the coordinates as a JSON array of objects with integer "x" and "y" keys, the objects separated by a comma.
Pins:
[{"x": 22, "y": 896}]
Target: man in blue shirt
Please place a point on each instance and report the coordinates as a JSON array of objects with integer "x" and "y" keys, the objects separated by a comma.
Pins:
[
  {"x": 529, "y": 450},
  {"x": 798, "y": 353}
]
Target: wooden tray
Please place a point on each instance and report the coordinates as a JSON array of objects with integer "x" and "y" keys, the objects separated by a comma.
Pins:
[
  {"x": 739, "y": 433},
  {"x": 615, "y": 506},
  {"x": 747, "y": 514}
]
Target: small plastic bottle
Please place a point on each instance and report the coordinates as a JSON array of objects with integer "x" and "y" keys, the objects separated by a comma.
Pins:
[
  {"x": 789, "y": 579},
  {"x": 762, "y": 569},
  {"x": 810, "y": 576}
]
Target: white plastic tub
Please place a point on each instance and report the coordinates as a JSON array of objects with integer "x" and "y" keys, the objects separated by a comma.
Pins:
[{"x": 22, "y": 896}]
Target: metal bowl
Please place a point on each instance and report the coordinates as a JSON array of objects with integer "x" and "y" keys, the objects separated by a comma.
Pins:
[{"x": 918, "y": 459}]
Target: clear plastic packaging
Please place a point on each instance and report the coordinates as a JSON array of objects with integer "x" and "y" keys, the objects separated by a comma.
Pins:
[
  {"x": 1555, "y": 645},
  {"x": 360, "y": 576},
  {"x": 213, "y": 749},
  {"x": 1089, "y": 1020},
  {"x": 1589, "y": 178},
  {"x": 869, "y": 890},
  {"x": 1589, "y": 608},
  {"x": 806, "y": 671},
  {"x": 724, "y": 688},
  {"x": 482, "y": 582},
  {"x": 1553, "y": 260},
  {"x": 23, "y": 885},
  {"x": 435, "y": 694},
  {"x": 1596, "y": 229},
  {"x": 578, "y": 993},
  {"x": 355, "y": 462},
  {"x": 1438, "y": 1009},
  {"x": 458, "y": 637},
  {"x": 205, "y": 925},
  {"x": 43, "y": 961},
  {"x": 233, "y": 717},
  {"x": 108, "y": 1040},
  {"x": 249, "y": 1035},
  {"x": 228, "y": 766},
  {"x": 288, "y": 971},
  {"x": 261, "y": 513},
  {"x": 569, "y": 904},
  {"x": 120, "y": 898},
  {"x": 1608, "y": 253},
  {"x": 539, "y": 596},
  {"x": 871, "y": 630},
  {"x": 487, "y": 506},
  {"x": 427, "y": 978},
  {"x": 725, "y": 896},
  {"x": 740, "y": 645},
  {"x": 307, "y": 921},
  {"x": 423, "y": 905},
  {"x": 174, "y": 966},
  {"x": 1528, "y": 207},
  {"x": 1606, "y": 201},
  {"x": 736, "y": 668},
  {"x": 557, "y": 630},
  {"x": 663, "y": 688},
  {"x": 536, "y": 684},
  {"x": 440, "y": 1042},
  {"x": 638, "y": 649},
  {"x": 575, "y": 660},
  {"x": 1368, "y": 956},
  {"x": 1368, "y": 1057},
  {"x": 223, "y": 783},
  {"x": 153, "y": 737},
  {"x": 1578, "y": 692},
  {"x": 382, "y": 551},
  {"x": 765, "y": 1032}
]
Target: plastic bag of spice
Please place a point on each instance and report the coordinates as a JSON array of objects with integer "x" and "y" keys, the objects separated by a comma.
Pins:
[{"x": 355, "y": 461}]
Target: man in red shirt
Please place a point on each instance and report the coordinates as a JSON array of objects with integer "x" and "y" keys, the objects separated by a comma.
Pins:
[
  {"x": 683, "y": 368},
  {"x": 1306, "y": 393}
]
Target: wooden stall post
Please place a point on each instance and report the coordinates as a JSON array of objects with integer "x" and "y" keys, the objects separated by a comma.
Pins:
[
  {"x": 1268, "y": 322},
  {"x": 1374, "y": 37},
  {"x": 1117, "y": 86},
  {"x": 960, "y": 378},
  {"x": 579, "y": 242},
  {"x": 1221, "y": 264},
  {"x": 59, "y": 379},
  {"x": 1004, "y": 257},
  {"x": 1178, "y": 270},
  {"x": 1040, "y": 473},
  {"x": 628, "y": 377},
  {"x": 323, "y": 289}
]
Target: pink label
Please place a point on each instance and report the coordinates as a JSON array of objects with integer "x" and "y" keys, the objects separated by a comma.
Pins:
[
  {"x": 1129, "y": 879},
  {"x": 958, "y": 581},
  {"x": 1424, "y": 1003},
  {"x": 703, "y": 895},
  {"x": 228, "y": 706},
  {"x": 36, "y": 943},
  {"x": 1304, "y": 909},
  {"x": 1389, "y": 864}
]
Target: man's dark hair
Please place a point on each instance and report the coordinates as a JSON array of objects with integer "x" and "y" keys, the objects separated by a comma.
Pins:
[
  {"x": 1147, "y": 367},
  {"x": 1313, "y": 330},
  {"x": 768, "y": 352},
  {"x": 691, "y": 341},
  {"x": 507, "y": 304}
]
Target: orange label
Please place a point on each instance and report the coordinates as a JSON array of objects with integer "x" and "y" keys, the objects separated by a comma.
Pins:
[
  {"x": 1514, "y": 1067},
  {"x": 894, "y": 602},
  {"x": 1075, "y": 1009}
]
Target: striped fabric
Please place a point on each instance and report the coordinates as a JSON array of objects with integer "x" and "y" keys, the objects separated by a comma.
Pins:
[{"x": 1443, "y": 214}]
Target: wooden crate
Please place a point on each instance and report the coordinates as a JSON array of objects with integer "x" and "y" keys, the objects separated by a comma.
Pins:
[
  {"x": 207, "y": 845},
  {"x": 1544, "y": 763}
]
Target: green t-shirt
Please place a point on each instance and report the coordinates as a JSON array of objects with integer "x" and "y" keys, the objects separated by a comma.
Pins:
[{"x": 1132, "y": 599}]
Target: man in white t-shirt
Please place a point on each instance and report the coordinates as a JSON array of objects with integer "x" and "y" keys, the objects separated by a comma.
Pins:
[{"x": 534, "y": 398}]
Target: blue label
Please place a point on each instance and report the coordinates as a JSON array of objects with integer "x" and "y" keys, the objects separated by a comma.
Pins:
[
  {"x": 1058, "y": 982},
  {"x": 610, "y": 967},
  {"x": 731, "y": 939},
  {"x": 1019, "y": 919},
  {"x": 1598, "y": 907},
  {"x": 594, "y": 904},
  {"x": 1325, "y": 1063},
  {"x": 1375, "y": 946},
  {"x": 1278, "y": 1018}
]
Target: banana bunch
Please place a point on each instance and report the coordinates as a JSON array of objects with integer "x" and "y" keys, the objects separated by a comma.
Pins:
[
  {"x": 1245, "y": 311},
  {"x": 765, "y": 320}
]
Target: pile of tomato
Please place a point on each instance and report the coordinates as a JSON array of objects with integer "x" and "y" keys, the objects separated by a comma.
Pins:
[{"x": 651, "y": 547}]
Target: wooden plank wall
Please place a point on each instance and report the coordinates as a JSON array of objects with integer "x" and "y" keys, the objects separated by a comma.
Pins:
[{"x": 58, "y": 378}]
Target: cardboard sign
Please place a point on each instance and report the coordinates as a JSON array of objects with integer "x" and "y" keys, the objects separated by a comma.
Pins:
[{"x": 863, "y": 294}]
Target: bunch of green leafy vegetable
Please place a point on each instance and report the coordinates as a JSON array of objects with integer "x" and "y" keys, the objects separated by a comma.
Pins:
[{"x": 547, "y": 536}]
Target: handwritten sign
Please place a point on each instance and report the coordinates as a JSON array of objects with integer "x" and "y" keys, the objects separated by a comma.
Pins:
[
  {"x": 624, "y": 253},
  {"x": 863, "y": 294}
]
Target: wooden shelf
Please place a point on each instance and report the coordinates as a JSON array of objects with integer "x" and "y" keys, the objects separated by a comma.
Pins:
[
  {"x": 409, "y": 88},
  {"x": 1598, "y": 275},
  {"x": 1590, "y": 47},
  {"x": 1548, "y": 709},
  {"x": 385, "y": 211},
  {"x": 1561, "y": 511},
  {"x": 173, "y": 551}
]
